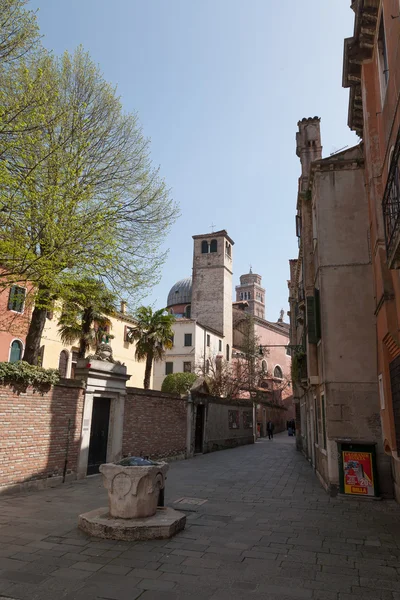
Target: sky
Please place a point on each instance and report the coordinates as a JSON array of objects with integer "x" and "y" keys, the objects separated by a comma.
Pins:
[{"x": 219, "y": 86}]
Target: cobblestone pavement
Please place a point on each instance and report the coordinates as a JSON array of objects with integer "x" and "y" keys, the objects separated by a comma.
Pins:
[{"x": 267, "y": 530}]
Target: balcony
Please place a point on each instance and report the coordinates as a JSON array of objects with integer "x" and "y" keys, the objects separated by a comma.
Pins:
[{"x": 391, "y": 209}]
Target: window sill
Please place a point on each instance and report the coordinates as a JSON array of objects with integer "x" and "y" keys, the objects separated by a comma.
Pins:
[{"x": 16, "y": 312}]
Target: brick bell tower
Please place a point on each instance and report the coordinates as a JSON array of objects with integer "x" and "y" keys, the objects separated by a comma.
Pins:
[{"x": 212, "y": 284}]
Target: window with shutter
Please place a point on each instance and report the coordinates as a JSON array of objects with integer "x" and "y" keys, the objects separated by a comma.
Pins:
[
  {"x": 311, "y": 324},
  {"x": 16, "y": 351},
  {"x": 63, "y": 363},
  {"x": 317, "y": 313},
  {"x": 169, "y": 368},
  {"x": 16, "y": 299}
]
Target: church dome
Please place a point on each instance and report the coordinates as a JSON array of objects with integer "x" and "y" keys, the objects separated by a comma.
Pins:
[{"x": 181, "y": 292}]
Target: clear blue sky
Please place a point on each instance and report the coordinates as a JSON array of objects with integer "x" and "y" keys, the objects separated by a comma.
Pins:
[{"x": 219, "y": 86}]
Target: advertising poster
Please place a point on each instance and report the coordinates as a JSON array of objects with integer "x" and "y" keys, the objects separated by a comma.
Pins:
[{"x": 358, "y": 473}]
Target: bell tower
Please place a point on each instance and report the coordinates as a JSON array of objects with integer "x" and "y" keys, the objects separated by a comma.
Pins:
[
  {"x": 212, "y": 284},
  {"x": 250, "y": 291}
]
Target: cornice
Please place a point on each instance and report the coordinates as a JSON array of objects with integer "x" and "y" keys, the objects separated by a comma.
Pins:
[{"x": 357, "y": 50}]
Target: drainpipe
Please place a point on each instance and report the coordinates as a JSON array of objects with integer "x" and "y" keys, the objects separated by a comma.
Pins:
[
  {"x": 204, "y": 351},
  {"x": 189, "y": 418}
]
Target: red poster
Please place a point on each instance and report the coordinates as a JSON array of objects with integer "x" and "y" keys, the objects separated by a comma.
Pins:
[{"x": 358, "y": 474}]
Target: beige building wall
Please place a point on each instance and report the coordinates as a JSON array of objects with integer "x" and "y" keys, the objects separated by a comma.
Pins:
[
  {"x": 347, "y": 350},
  {"x": 197, "y": 354},
  {"x": 122, "y": 351}
]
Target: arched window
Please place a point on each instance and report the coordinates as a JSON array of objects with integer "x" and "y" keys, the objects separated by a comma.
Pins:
[
  {"x": 63, "y": 363},
  {"x": 278, "y": 372},
  {"x": 204, "y": 247},
  {"x": 264, "y": 366},
  {"x": 16, "y": 351},
  {"x": 228, "y": 354},
  {"x": 228, "y": 249},
  {"x": 213, "y": 246},
  {"x": 188, "y": 311}
]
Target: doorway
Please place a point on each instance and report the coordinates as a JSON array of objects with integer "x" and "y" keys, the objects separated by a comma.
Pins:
[
  {"x": 198, "y": 435},
  {"x": 98, "y": 434}
]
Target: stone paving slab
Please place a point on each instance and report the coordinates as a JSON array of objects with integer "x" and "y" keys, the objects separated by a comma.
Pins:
[{"x": 259, "y": 526}]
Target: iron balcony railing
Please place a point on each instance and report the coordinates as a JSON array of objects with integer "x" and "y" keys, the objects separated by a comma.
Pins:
[{"x": 391, "y": 203}]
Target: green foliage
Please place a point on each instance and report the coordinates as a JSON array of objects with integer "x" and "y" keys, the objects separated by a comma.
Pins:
[
  {"x": 153, "y": 334},
  {"x": 18, "y": 30},
  {"x": 21, "y": 373},
  {"x": 178, "y": 383},
  {"x": 79, "y": 196},
  {"x": 297, "y": 366},
  {"x": 87, "y": 306}
]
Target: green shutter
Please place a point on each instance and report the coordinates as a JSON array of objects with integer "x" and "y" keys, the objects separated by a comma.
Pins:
[
  {"x": 317, "y": 314},
  {"x": 311, "y": 322}
]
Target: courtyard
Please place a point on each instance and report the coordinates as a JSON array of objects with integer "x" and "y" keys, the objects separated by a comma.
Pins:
[{"x": 259, "y": 525}]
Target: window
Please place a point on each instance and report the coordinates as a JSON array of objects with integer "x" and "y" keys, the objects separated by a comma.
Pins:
[
  {"x": 241, "y": 295},
  {"x": 287, "y": 351},
  {"x": 382, "y": 60},
  {"x": 187, "y": 367},
  {"x": 228, "y": 249},
  {"x": 228, "y": 354},
  {"x": 249, "y": 296},
  {"x": 16, "y": 299},
  {"x": 220, "y": 346},
  {"x": 169, "y": 368},
  {"x": 16, "y": 351},
  {"x": 298, "y": 226},
  {"x": 74, "y": 360},
  {"x": 127, "y": 333},
  {"x": 233, "y": 419},
  {"x": 207, "y": 367},
  {"x": 208, "y": 340},
  {"x": 247, "y": 419},
  {"x": 278, "y": 372},
  {"x": 172, "y": 338},
  {"x": 188, "y": 311},
  {"x": 63, "y": 363},
  {"x": 204, "y": 247},
  {"x": 264, "y": 366},
  {"x": 188, "y": 339},
  {"x": 213, "y": 246}
]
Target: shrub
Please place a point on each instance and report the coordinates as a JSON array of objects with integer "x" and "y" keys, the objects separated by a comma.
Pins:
[
  {"x": 178, "y": 383},
  {"x": 21, "y": 373}
]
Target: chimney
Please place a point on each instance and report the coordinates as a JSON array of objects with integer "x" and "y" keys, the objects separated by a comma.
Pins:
[
  {"x": 308, "y": 147},
  {"x": 123, "y": 307}
]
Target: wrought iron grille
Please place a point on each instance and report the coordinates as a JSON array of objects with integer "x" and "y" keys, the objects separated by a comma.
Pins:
[{"x": 391, "y": 200}]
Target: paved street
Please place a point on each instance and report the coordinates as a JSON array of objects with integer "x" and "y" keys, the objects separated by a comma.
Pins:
[{"x": 267, "y": 530}]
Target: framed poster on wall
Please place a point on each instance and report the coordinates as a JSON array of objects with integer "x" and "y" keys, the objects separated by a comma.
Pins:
[{"x": 358, "y": 470}]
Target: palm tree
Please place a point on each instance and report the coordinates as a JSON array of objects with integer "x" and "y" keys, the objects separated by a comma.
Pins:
[
  {"x": 85, "y": 315},
  {"x": 153, "y": 334}
]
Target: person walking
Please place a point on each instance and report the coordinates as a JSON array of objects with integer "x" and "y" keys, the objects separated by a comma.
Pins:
[{"x": 270, "y": 430}]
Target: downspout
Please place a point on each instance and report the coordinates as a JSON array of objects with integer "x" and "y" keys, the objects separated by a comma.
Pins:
[{"x": 189, "y": 419}]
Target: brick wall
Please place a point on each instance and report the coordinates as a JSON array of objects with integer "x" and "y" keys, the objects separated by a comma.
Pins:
[
  {"x": 34, "y": 434},
  {"x": 154, "y": 424}
]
